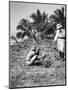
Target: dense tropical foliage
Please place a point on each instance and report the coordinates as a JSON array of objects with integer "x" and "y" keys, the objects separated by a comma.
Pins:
[
  {"x": 40, "y": 20},
  {"x": 59, "y": 17},
  {"x": 26, "y": 29},
  {"x": 41, "y": 24}
]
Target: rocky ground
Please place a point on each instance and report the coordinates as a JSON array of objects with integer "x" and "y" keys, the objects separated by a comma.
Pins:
[{"x": 50, "y": 72}]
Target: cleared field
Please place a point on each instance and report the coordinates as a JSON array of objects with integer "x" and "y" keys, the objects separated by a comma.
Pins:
[{"x": 50, "y": 72}]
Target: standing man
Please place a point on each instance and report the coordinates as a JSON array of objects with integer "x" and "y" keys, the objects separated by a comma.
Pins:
[{"x": 60, "y": 38}]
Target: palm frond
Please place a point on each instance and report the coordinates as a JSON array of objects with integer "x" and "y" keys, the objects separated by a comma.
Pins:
[
  {"x": 62, "y": 9},
  {"x": 23, "y": 22},
  {"x": 19, "y": 35},
  {"x": 23, "y": 34},
  {"x": 34, "y": 17},
  {"x": 20, "y": 27},
  {"x": 59, "y": 16},
  {"x": 44, "y": 16},
  {"x": 13, "y": 37},
  {"x": 54, "y": 18},
  {"x": 39, "y": 17}
]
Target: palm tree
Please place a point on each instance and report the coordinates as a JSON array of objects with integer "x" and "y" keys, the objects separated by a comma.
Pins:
[
  {"x": 59, "y": 17},
  {"x": 40, "y": 20},
  {"x": 14, "y": 38},
  {"x": 26, "y": 29}
]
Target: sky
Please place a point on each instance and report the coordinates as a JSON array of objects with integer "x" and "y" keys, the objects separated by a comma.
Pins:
[{"x": 24, "y": 10}]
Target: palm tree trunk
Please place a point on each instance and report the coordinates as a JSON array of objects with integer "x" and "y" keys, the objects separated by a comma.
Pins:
[
  {"x": 34, "y": 39},
  {"x": 16, "y": 40},
  {"x": 33, "y": 36}
]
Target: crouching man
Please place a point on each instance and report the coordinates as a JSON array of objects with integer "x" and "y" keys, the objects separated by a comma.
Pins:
[
  {"x": 32, "y": 56},
  {"x": 60, "y": 38}
]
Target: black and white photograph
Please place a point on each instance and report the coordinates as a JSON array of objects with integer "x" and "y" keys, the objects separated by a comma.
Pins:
[{"x": 37, "y": 44}]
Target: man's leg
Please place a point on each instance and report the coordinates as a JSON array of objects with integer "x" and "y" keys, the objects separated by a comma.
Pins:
[
  {"x": 31, "y": 62},
  {"x": 62, "y": 55}
]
